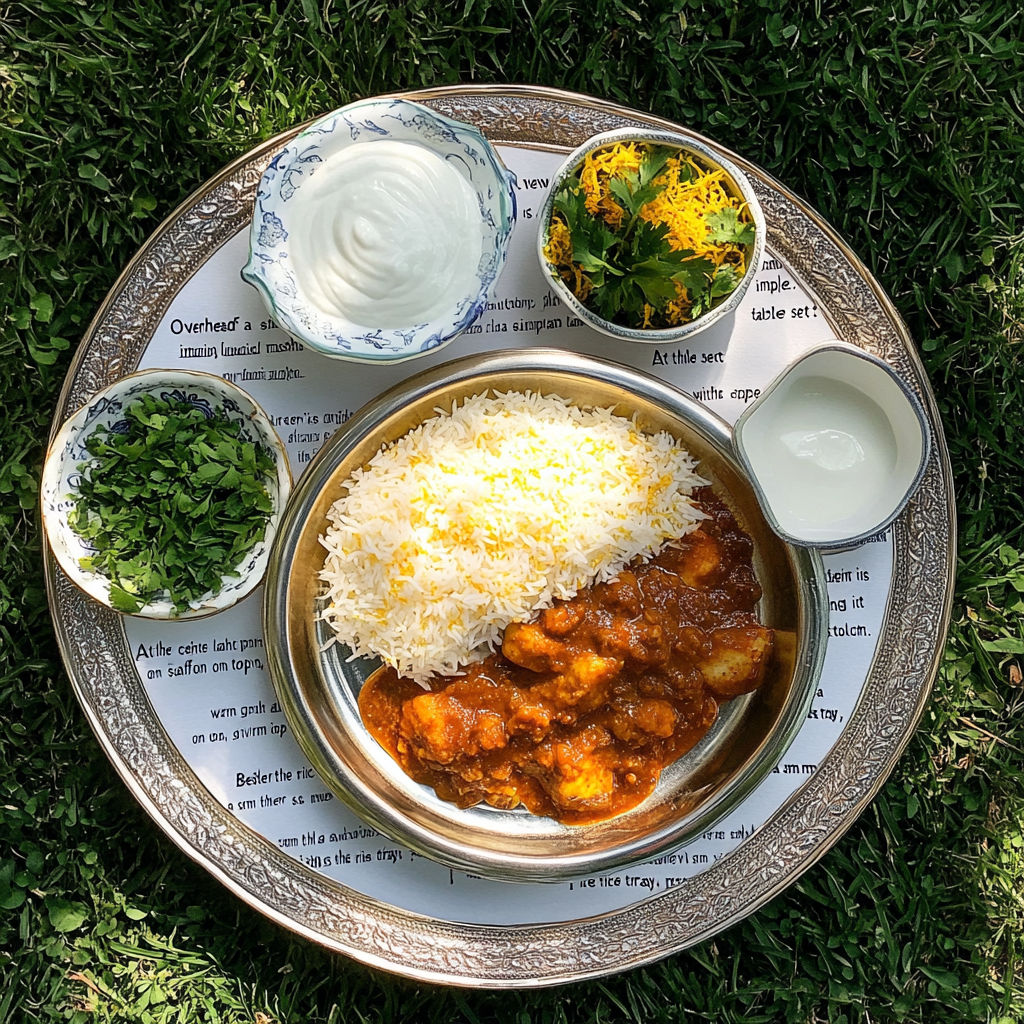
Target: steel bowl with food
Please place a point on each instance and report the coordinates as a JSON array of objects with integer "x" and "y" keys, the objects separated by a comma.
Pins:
[
  {"x": 517, "y": 835},
  {"x": 650, "y": 236}
]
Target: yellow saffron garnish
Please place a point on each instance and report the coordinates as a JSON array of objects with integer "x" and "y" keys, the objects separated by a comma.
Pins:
[
  {"x": 558, "y": 252},
  {"x": 603, "y": 165}
]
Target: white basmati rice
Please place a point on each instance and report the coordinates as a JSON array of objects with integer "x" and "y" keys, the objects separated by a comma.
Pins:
[{"x": 484, "y": 515}]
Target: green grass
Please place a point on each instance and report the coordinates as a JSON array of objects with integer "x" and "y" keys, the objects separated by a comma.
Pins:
[{"x": 900, "y": 121}]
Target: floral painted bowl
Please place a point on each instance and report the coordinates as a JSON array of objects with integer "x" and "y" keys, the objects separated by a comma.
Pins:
[
  {"x": 67, "y": 453},
  {"x": 271, "y": 268}
]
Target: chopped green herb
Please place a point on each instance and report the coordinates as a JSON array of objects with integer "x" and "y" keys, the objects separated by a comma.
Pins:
[
  {"x": 172, "y": 500},
  {"x": 726, "y": 226}
]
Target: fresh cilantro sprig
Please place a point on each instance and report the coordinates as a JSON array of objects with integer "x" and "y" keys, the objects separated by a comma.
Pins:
[
  {"x": 726, "y": 226},
  {"x": 172, "y": 501},
  {"x": 633, "y": 267}
]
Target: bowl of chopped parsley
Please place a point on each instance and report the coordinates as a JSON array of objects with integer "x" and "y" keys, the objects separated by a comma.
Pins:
[
  {"x": 161, "y": 495},
  {"x": 650, "y": 236}
]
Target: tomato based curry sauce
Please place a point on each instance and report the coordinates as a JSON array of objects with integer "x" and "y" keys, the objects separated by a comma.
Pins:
[{"x": 584, "y": 706}]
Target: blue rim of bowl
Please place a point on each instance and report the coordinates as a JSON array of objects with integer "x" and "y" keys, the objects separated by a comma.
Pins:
[
  {"x": 840, "y": 543},
  {"x": 706, "y": 155},
  {"x": 507, "y": 211}
]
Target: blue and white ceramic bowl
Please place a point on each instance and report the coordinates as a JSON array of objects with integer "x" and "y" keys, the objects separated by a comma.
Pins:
[
  {"x": 363, "y": 124},
  {"x": 67, "y": 453}
]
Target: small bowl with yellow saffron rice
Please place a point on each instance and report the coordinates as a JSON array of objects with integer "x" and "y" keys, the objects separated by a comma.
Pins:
[{"x": 650, "y": 236}]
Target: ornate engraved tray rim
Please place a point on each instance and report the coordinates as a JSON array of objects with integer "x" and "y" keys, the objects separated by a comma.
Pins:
[{"x": 94, "y": 646}]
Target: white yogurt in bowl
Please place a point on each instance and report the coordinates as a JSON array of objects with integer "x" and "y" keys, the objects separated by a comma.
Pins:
[
  {"x": 836, "y": 446},
  {"x": 379, "y": 231},
  {"x": 386, "y": 235}
]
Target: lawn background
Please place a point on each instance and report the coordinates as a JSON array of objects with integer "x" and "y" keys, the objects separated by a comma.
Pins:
[{"x": 901, "y": 122}]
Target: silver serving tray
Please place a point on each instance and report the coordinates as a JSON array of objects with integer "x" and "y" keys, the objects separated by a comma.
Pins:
[{"x": 102, "y": 671}]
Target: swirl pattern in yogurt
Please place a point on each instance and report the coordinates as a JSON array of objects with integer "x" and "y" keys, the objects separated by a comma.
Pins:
[{"x": 388, "y": 234}]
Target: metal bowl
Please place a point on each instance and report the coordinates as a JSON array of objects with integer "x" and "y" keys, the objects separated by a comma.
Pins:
[
  {"x": 736, "y": 182},
  {"x": 319, "y": 689}
]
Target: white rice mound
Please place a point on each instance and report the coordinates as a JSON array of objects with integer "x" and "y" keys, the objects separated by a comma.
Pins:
[{"x": 483, "y": 516}]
